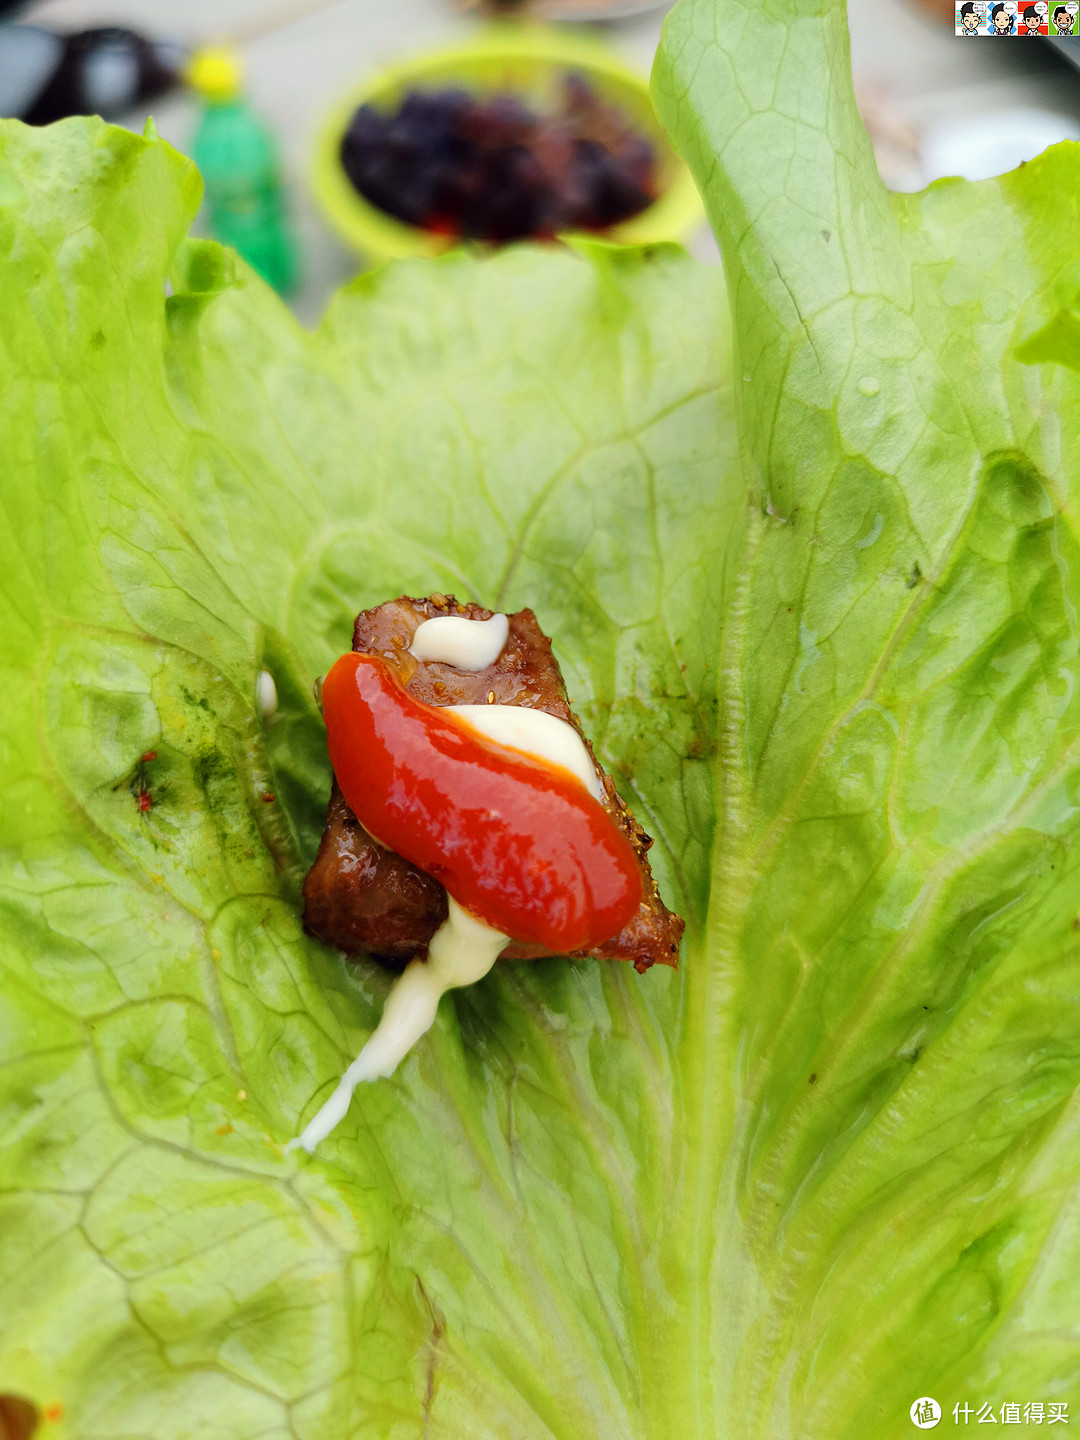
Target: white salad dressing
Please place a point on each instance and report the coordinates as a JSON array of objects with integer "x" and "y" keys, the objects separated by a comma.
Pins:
[
  {"x": 465, "y": 644},
  {"x": 265, "y": 694},
  {"x": 463, "y": 949},
  {"x": 537, "y": 733}
]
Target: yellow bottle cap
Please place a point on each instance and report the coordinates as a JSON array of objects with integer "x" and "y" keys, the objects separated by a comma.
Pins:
[{"x": 216, "y": 72}]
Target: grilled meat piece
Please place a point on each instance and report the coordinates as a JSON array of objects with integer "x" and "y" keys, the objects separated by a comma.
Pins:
[{"x": 360, "y": 896}]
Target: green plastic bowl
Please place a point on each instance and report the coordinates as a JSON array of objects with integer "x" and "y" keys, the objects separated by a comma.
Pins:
[{"x": 529, "y": 61}]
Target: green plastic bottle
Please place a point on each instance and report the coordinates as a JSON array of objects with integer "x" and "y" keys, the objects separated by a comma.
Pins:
[{"x": 238, "y": 160}]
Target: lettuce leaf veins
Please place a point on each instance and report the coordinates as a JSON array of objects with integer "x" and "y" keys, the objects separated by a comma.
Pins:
[{"x": 828, "y": 1166}]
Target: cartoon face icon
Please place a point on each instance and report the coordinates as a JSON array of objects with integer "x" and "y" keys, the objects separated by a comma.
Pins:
[
  {"x": 1031, "y": 20},
  {"x": 1062, "y": 20},
  {"x": 968, "y": 19},
  {"x": 1002, "y": 20}
]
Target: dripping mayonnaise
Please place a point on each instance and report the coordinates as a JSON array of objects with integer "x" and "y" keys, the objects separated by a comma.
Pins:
[{"x": 463, "y": 949}]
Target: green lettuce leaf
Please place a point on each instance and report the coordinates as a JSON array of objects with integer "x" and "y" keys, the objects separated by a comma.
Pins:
[
  {"x": 889, "y": 1205},
  {"x": 827, "y": 1167},
  {"x": 197, "y": 489}
]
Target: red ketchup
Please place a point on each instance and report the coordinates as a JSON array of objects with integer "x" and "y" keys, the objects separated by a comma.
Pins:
[{"x": 518, "y": 842}]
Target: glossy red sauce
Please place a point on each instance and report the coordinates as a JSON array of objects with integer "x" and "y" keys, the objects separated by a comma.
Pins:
[{"x": 518, "y": 842}]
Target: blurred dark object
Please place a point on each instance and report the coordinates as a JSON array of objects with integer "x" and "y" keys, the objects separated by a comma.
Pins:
[
  {"x": 492, "y": 169},
  {"x": 103, "y": 71},
  {"x": 590, "y": 11},
  {"x": 28, "y": 57},
  {"x": 19, "y": 1418}
]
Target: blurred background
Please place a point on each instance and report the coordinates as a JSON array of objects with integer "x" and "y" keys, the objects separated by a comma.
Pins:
[{"x": 934, "y": 104}]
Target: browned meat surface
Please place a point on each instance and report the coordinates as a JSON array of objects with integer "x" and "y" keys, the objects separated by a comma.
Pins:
[{"x": 362, "y": 897}]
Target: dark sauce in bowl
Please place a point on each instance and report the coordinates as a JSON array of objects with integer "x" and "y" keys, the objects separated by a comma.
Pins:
[{"x": 490, "y": 168}]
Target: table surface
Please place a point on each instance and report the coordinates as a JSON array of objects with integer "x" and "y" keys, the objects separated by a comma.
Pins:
[{"x": 910, "y": 70}]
